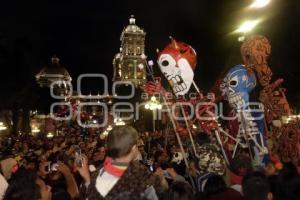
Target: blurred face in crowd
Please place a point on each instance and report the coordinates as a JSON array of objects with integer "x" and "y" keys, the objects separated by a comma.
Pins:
[
  {"x": 163, "y": 157},
  {"x": 45, "y": 190},
  {"x": 29, "y": 165},
  {"x": 78, "y": 132},
  {"x": 79, "y": 139},
  {"x": 39, "y": 142},
  {"x": 73, "y": 140},
  {"x": 89, "y": 154},
  {"x": 173, "y": 149},
  {"x": 61, "y": 140},
  {"x": 159, "y": 146},
  {"x": 17, "y": 146},
  {"x": 153, "y": 150},
  {"x": 99, "y": 154},
  {"x": 25, "y": 146},
  {"x": 141, "y": 148},
  {"x": 55, "y": 140},
  {"x": 82, "y": 145},
  {"x": 50, "y": 145},
  {"x": 270, "y": 169},
  {"x": 43, "y": 158},
  {"x": 159, "y": 133},
  {"x": 91, "y": 139},
  {"x": 54, "y": 176}
]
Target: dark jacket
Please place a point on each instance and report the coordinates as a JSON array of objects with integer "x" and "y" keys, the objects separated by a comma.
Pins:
[{"x": 136, "y": 180}]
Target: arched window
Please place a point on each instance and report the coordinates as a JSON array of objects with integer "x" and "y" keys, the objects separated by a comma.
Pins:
[{"x": 138, "y": 50}]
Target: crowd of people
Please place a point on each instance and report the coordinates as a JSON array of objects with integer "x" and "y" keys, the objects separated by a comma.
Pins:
[{"x": 128, "y": 164}]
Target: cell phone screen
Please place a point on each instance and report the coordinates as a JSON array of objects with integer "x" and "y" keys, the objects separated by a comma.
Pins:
[
  {"x": 151, "y": 168},
  {"x": 78, "y": 161},
  {"x": 54, "y": 167},
  {"x": 78, "y": 157},
  {"x": 166, "y": 174}
]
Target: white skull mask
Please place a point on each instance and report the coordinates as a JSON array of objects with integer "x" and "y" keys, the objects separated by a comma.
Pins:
[
  {"x": 177, "y": 62},
  {"x": 177, "y": 158},
  {"x": 179, "y": 74}
]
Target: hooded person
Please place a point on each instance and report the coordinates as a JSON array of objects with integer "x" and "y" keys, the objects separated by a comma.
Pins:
[{"x": 121, "y": 171}]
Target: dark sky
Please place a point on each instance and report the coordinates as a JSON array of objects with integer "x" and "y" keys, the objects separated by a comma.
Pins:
[{"x": 85, "y": 35}]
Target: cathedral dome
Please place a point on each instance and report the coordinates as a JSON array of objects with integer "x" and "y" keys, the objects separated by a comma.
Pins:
[{"x": 53, "y": 72}]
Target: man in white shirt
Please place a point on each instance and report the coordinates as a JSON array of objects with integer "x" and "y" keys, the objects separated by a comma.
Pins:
[
  {"x": 3, "y": 186},
  {"x": 120, "y": 172}
]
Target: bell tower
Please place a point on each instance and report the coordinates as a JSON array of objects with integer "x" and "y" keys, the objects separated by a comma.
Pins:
[{"x": 130, "y": 63}]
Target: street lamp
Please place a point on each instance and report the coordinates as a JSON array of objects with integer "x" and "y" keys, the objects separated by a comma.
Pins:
[
  {"x": 147, "y": 106},
  {"x": 105, "y": 133},
  {"x": 2, "y": 127},
  {"x": 119, "y": 122},
  {"x": 50, "y": 135},
  {"x": 153, "y": 105},
  {"x": 247, "y": 26},
  {"x": 35, "y": 130},
  {"x": 259, "y": 3},
  {"x": 109, "y": 128},
  {"x": 153, "y": 98}
]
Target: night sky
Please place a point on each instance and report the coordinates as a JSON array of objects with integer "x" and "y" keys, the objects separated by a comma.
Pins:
[{"x": 85, "y": 35}]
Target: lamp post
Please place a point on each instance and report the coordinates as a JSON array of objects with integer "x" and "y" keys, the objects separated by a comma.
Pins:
[
  {"x": 153, "y": 105},
  {"x": 2, "y": 126}
]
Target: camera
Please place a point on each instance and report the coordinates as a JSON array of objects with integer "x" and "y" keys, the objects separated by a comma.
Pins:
[
  {"x": 51, "y": 167},
  {"x": 151, "y": 168}
]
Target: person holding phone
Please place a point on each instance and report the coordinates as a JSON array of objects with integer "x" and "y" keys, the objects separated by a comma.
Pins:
[{"x": 60, "y": 178}]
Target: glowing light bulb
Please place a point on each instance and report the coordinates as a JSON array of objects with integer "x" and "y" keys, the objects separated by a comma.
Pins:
[
  {"x": 247, "y": 26},
  {"x": 50, "y": 135},
  {"x": 259, "y": 3},
  {"x": 153, "y": 98},
  {"x": 147, "y": 106},
  {"x": 159, "y": 106},
  {"x": 109, "y": 128},
  {"x": 152, "y": 107}
]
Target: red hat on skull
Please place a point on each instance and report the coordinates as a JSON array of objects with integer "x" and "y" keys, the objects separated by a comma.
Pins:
[{"x": 180, "y": 50}]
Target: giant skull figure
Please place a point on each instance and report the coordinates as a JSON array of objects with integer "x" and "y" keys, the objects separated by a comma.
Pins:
[
  {"x": 236, "y": 88},
  {"x": 237, "y": 85},
  {"x": 177, "y": 62}
]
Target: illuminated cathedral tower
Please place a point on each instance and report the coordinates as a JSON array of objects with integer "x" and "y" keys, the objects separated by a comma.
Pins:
[{"x": 130, "y": 63}]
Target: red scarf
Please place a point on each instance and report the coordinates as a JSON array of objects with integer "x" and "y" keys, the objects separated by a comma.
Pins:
[
  {"x": 235, "y": 179},
  {"x": 114, "y": 168}
]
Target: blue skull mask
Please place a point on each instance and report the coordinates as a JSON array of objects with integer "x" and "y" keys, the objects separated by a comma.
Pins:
[{"x": 237, "y": 85}]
